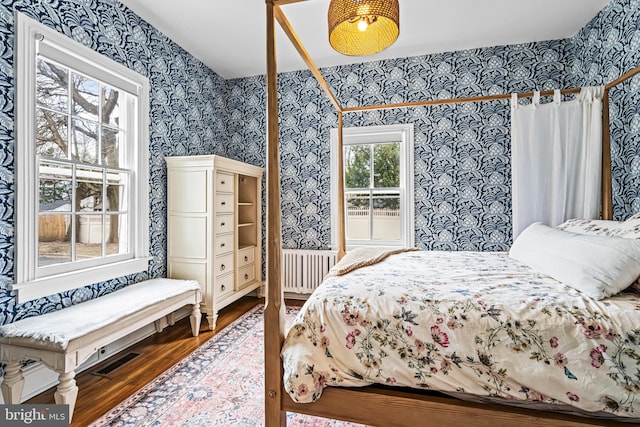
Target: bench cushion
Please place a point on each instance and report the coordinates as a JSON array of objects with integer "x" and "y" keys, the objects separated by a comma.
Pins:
[{"x": 56, "y": 329}]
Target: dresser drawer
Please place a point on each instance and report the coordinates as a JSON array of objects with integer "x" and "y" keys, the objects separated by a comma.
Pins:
[
  {"x": 224, "y": 244},
  {"x": 224, "y": 224},
  {"x": 246, "y": 275},
  {"x": 224, "y": 182},
  {"x": 223, "y": 264},
  {"x": 224, "y": 285},
  {"x": 245, "y": 256},
  {"x": 224, "y": 202}
]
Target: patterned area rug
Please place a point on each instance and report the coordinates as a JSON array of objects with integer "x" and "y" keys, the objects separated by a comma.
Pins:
[{"x": 219, "y": 384}]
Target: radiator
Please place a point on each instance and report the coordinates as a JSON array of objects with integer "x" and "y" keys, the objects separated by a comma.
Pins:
[{"x": 303, "y": 270}]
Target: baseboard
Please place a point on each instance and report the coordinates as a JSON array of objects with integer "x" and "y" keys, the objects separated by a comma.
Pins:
[
  {"x": 38, "y": 378},
  {"x": 287, "y": 295},
  {"x": 296, "y": 296}
]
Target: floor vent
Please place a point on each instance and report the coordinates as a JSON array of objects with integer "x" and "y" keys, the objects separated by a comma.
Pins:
[{"x": 116, "y": 364}]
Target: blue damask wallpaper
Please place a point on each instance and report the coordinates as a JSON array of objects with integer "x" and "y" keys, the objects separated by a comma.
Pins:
[
  {"x": 462, "y": 155},
  {"x": 462, "y": 168},
  {"x": 462, "y": 177},
  {"x": 605, "y": 49},
  {"x": 187, "y": 117}
]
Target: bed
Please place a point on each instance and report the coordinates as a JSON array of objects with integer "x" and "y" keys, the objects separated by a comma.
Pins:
[
  {"x": 505, "y": 324},
  {"x": 466, "y": 322}
]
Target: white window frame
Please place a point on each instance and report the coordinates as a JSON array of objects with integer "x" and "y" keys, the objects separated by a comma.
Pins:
[
  {"x": 377, "y": 135},
  {"x": 33, "y": 38}
]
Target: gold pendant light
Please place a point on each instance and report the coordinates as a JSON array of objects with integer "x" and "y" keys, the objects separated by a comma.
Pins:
[{"x": 363, "y": 27}]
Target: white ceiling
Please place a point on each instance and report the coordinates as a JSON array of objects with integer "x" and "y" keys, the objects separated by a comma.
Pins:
[{"x": 229, "y": 35}]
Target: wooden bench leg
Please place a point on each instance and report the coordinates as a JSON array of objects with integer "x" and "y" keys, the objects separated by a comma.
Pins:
[
  {"x": 171, "y": 319},
  {"x": 13, "y": 383},
  {"x": 195, "y": 318},
  {"x": 67, "y": 391}
]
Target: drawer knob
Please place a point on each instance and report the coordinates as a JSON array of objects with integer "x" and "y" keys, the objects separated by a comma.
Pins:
[
  {"x": 222, "y": 245},
  {"x": 246, "y": 258},
  {"x": 246, "y": 276},
  {"x": 222, "y": 267},
  {"x": 222, "y": 224},
  {"x": 222, "y": 182},
  {"x": 223, "y": 203},
  {"x": 222, "y": 288}
]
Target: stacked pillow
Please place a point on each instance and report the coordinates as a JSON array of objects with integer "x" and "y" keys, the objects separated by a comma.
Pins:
[
  {"x": 599, "y": 258},
  {"x": 629, "y": 229},
  {"x": 596, "y": 227}
]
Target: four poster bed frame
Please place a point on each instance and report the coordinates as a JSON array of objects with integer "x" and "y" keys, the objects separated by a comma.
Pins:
[{"x": 375, "y": 405}]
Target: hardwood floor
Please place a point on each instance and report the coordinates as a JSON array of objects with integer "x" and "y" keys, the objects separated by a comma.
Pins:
[{"x": 98, "y": 394}]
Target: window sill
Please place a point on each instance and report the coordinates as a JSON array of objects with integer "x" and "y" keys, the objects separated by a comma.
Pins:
[{"x": 39, "y": 288}]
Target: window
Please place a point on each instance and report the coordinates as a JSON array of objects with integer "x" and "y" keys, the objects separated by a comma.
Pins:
[
  {"x": 378, "y": 174},
  {"x": 82, "y": 172}
]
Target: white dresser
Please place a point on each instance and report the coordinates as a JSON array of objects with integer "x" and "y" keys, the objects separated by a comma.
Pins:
[{"x": 214, "y": 231}]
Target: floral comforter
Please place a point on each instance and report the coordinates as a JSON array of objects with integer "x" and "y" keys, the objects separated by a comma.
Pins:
[{"x": 470, "y": 322}]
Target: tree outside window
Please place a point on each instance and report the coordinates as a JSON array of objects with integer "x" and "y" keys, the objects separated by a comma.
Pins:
[
  {"x": 81, "y": 186},
  {"x": 372, "y": 191}
]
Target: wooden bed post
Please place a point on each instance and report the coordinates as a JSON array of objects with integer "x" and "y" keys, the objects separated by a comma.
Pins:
[
  {"x": 606, "y": 180},
  {"x": 274, "y": 312},
  {"x": 342, "y": 239}
]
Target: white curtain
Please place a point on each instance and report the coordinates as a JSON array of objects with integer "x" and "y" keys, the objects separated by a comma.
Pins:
[{"x": 556, "y": 151}]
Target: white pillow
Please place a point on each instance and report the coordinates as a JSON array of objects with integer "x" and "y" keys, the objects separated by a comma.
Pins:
[{"x": 598, "y": 266}]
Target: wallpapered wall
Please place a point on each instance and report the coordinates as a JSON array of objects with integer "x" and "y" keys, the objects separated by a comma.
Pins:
[
  {"x": 187, "y": 117},
  {"x": 462, "y": 186},
  {"x": 605, "y": 49},
  {"x": 462, "y": 176}
]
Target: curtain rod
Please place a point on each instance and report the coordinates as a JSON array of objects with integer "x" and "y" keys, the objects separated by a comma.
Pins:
[
  {"x": 608, "y": 86},
  {"x": 454, "y": 100}
]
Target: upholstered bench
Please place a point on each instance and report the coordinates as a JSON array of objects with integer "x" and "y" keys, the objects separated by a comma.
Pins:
[{"x": 62, "y": 340}]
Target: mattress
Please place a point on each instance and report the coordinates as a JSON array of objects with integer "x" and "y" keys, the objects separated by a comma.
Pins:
[{"x": 473, "y": 323}]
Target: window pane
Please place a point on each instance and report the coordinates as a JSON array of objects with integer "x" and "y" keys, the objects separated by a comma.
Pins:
[
  {"x": 84, "y": 144},
  {"x": 357, "y": 161},
  {"x": 386, "y": 165},
  {"x": 54, "y": 244},
  {"x": 51, "y": 134},
  {"x": 358, "y": 217},
  {"x": 52, "y": 86},
  {"x": 117, "y": 234},
  {"x": 116, "y": 201},
  {"x": 110, "y": 99},
  {"x": 85, "y": 97},
  {"x": 111, "y": 141},
  {"x": 89, "y": 237},
  {"x": 55, "y": 187},
  {"x": 386, "y": 217},
  {"x": 89, "y": 189}
]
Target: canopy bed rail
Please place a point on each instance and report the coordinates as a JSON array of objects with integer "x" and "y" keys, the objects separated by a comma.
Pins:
[{"x": 374, "y": 405}]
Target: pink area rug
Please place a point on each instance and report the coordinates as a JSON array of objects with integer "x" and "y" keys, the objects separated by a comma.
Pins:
[{"x": 219, "y": 384}]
